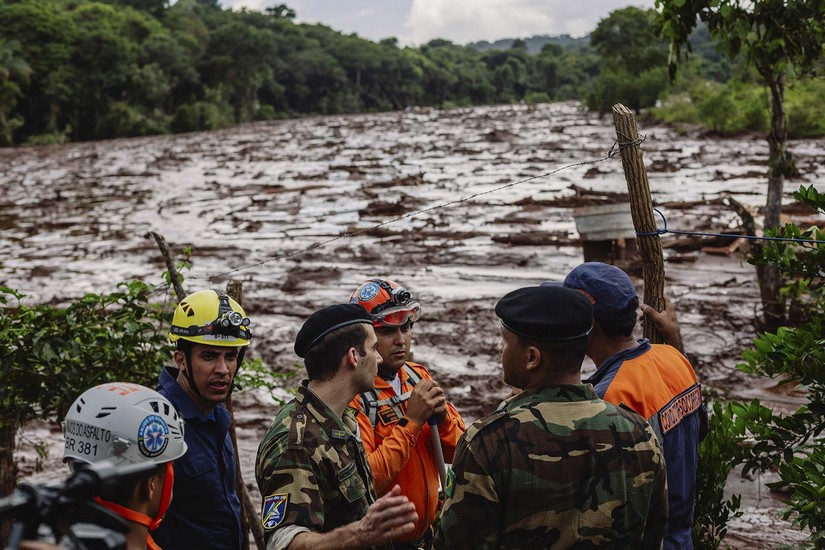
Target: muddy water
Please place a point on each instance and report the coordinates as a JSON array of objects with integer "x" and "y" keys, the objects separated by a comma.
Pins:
[{"x": 255, "y": 202}]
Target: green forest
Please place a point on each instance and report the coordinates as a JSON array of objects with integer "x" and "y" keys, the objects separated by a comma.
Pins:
[{"x": 74, "y": 70}]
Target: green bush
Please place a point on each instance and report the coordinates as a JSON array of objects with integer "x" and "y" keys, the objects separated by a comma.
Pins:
[
  {"x": 736, "y": 107},
  {"x": 719, "y": 453},
  {"x": 803, "y": 104},
  {"x": 795, "y": 355},
  {"x": 194, "y": 117},
  {"x": 533, "y": 98},
  {"x": 46, "y": 139},
  {"x": 123, "y": 119},
  {"x": 620, "y": 86},
  {"x": 266, "y": 112},
  {"x": 49, "y": 355}
]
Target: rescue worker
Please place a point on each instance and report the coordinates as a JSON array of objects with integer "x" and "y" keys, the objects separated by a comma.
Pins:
[
  {"x": 210, "y": 332},
  {"x": 128, "y": 424},
  {"x": 656, "y": 381},
  {"x": 311, "y": 468},
  {"x": 554, "y": 466},
  {"x": 393, "y": 417}
]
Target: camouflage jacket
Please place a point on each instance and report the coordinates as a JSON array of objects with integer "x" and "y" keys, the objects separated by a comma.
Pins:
[
  {"x": 556, "y": 467},
  {"x": 311, "y": 469}
]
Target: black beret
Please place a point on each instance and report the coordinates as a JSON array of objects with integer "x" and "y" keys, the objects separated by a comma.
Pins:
[
  {"x": 546, "y": 313},
  {"x": 325, "y": 320}
]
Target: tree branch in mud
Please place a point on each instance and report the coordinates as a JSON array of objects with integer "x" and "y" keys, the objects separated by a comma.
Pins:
[
  {"x": 170, "y": 265},
  {"x": 641, "y": 210}
]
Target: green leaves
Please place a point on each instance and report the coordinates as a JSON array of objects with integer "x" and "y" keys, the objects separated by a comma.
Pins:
[{"x": 50, "y": 355}]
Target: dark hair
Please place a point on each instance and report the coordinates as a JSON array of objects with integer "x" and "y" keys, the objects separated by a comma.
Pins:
[
  {"x": 623, "y": 323},
  {"x": 121, "y": 492},
  {"x": 184, "y": 345},
  {"x": 322, "y": 360},
  {"x": 565, "y": 357}
]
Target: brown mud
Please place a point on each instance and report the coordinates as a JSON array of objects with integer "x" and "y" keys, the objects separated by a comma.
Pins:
[{"x": 302, "y": 211}]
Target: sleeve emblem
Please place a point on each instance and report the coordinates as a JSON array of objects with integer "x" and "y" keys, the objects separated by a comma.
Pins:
[{"x": 274, "y": 510}]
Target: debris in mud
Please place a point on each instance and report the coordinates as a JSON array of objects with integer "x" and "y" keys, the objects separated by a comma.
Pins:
[
  {"x": 498, "y": 136},
  {"x": 385, "y": 208},
  {"x": 298, "y": 277},
  {"x": 259, "y": 213},
  {"x": 535, "y": 238},
  {"x": 415, "y": 179}
]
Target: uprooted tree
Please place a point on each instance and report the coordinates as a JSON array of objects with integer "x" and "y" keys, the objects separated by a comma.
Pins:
[{"x": 783, "y": 40}]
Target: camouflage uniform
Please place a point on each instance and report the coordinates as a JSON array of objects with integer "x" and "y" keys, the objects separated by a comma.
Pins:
[
  {"x": 311, "y": 470},
  {"x": 556, "y": 467}
]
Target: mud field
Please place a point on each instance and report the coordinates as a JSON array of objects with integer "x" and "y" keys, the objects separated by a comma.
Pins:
[{"x": 270, "y": 204}]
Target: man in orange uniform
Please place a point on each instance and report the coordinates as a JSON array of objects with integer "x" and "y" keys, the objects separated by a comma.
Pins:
[
  {"x": 656, "y": 381},
  {"x": 393, "y": 417}
]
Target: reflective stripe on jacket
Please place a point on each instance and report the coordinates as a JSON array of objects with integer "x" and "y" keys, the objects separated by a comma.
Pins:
[{"x": 659, "y": 383}]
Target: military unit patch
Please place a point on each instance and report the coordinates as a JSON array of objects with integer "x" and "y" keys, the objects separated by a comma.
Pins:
[
  {"x": 448, "y": 490},
  {"x": 274, "y": 510}
]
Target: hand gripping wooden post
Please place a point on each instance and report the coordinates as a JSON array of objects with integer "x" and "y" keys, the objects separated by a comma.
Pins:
[
  {"x": 641, "y": 209},
  {"x": 249, "y": 512}
]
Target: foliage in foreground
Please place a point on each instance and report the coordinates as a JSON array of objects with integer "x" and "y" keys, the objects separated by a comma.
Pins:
[
  {"x": 49, "y": 355},
  {"x": 754, "y": 436}
]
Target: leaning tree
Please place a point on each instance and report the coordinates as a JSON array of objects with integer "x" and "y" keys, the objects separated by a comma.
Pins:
[{"x": 782, "y": 39}]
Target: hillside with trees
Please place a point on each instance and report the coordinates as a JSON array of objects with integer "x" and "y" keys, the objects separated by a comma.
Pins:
[{"x": 73, "y": 70}]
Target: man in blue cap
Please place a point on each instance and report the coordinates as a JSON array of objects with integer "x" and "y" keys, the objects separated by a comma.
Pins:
[
  {"x": 656, "y": 381},
  {"x": 311, "y": 467}
]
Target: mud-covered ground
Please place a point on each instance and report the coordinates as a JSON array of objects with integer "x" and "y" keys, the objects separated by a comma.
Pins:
[{"x": 302, "y": 211}]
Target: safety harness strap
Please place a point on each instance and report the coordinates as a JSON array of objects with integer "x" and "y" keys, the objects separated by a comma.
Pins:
[{"x": 371, "y": 404}]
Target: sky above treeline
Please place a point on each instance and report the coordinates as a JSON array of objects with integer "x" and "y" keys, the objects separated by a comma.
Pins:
[{"x": 415, "y": 22}]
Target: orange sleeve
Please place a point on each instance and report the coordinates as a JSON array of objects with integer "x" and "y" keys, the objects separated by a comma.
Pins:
[{"x": 388, "y": 456}]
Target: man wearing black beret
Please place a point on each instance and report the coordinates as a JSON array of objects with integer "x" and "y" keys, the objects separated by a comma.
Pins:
[
  {"x": 554, "y": 466},
  {"x": 311, "y": 467}
]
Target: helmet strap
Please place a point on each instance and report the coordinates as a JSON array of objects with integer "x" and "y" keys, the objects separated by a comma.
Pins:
[
  {"x": 238, "y": 363},
  {"x": 187, "y": 354},
  {"x": 143, "y": 519}
]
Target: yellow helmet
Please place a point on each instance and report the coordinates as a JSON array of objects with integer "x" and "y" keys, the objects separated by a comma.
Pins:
[{"x": 206, "y": 317}]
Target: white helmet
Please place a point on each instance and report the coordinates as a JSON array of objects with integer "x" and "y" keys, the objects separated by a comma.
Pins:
[{"x": 124, "y": 423}]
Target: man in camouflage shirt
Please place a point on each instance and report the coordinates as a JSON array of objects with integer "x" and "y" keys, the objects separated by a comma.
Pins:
[
  {"x": 555, "y": 466},
  {"x": 311, "y": 468}
]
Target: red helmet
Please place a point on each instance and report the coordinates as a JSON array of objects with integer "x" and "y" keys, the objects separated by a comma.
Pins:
[{"x": 389, "y": 303}]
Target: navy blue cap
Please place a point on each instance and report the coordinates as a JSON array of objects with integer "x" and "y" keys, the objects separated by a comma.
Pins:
[
  {"x": 607, "y": 287},
  {"x": 546, "y": 313},
  {"x": 325, "y": 320}
]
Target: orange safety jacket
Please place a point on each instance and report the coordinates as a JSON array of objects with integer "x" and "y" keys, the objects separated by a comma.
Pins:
[{"x": 404, "y": 455}]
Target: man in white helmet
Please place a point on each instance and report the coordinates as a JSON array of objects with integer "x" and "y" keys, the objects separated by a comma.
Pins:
[
  {"x": 210, "y": 332},
  {"x": 127, "y": 424}
]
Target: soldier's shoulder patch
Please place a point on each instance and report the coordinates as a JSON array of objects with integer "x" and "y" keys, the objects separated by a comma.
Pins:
[
  {"x": 274, "y": 510},
  {"x": 448, "y": 490},
  {"x": 480, "y": 425}
]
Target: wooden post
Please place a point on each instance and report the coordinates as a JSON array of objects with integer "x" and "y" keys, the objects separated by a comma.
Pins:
[
  {"x": 641, "y": 209},
  {"x": 170, "y": 265},
  {"x": 249, "y": 512}
]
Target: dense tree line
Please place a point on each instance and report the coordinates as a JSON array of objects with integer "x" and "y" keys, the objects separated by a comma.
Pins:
[
  {"x": 96, "y": 69},
  {"x": 84, "y": 69}
]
